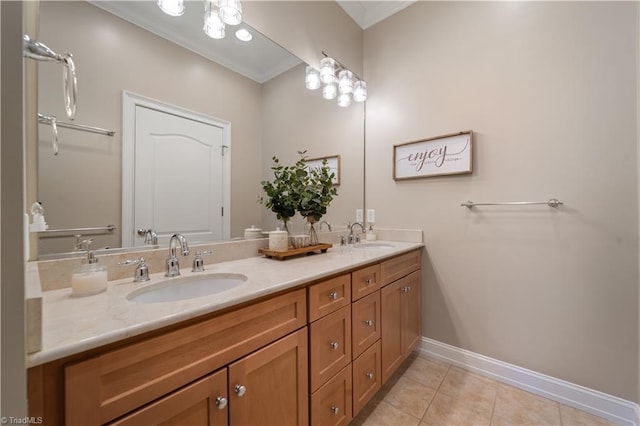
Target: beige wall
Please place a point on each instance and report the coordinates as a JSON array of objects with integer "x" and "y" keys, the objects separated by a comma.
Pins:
[
  {"x": 88, "y": 168},
  {"x": 549, "y": 90},
  {"x": 296, "y": 119},
  {"x": 306, "y": 28}
]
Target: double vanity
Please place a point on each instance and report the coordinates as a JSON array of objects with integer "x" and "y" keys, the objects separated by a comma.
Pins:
[{"x": 307, "y": 340}]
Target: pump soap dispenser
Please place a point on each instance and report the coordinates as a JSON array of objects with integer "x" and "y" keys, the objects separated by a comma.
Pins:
[{"x": 90, "y": 277}]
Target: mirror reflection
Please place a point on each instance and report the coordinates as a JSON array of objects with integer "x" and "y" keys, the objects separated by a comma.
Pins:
[{"x": 260, "y": 109}]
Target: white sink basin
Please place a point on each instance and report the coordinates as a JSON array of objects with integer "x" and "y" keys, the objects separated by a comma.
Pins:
[
  {"x": 184, "y": 288},
  {"x": 372, "y": 246}
]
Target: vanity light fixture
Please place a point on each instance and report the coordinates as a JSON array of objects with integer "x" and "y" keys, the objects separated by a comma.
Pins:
[
  {"x": 213, "y": 25},
  {"x": 312, "y": 78},
  {"x": 346, "y": 86},
  {"x": 244, "y": 35},
  {"x": 171, "y": 7},
  {"x": 230, "y": 11}
]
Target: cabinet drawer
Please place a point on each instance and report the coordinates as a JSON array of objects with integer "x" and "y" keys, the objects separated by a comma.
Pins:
[
  {"x": 331, "y": 404},
  {"x": 399, "y": 266},
  {"x": 367, "y": 378},
  {"x": 365, "y": 281},
  {"x": 365, "y": 323},
  {"x": 200, "y": 403},
  {"x": 330, "y": 346},
  {"x": 329, "y": 296},
  {"x": 109, "y": 385}
]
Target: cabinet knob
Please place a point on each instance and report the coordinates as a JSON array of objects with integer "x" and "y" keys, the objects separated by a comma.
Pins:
[
  {"x": 405, "y": 289},
  {"x": 240, "y": 390},
  {"x": 334, "y": 345},
  {"x": 368, "y": 323},
  {"x": 335, "y": 410},
  {"x": 333, "y": 295},
  {"x": 368, "y": 281},
  {"x": 369, "y": 376},
  {"x": 221, "y": 402}
]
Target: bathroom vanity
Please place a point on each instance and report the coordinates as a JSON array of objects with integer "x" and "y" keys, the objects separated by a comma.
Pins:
[{"x": 308, "y": 340}]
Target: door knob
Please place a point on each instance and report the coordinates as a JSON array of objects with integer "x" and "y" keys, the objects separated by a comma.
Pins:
[
  {"x": 334, "y": 345},
  {"x": 240, "y": 390},
  {"x": 333, "y": 295},
  {"x": 334, "y": 409},
  {"x": 368, "y": 323},
  {"x": 369, "y": 376},
  {"x": 221, "y": 402}
]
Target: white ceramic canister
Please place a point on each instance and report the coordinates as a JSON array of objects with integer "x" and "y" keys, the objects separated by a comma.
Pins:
[
  {"x": 253, "y": 232},
  {"x": 278, "y": 240}
]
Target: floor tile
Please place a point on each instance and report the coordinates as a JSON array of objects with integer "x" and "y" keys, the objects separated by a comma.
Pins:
[
  {"x": 410, "y": 396},
  {"x": 574, "y": 417},
  {"x": 474, "y": 389},
  {"x": 387, "y": 415},
  {"x": 449, "y": 411},
  {"x": 517, "y": 407},
  {"x": 427, "y": 372}
]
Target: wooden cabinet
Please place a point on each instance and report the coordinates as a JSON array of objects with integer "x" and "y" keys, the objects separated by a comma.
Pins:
[
  {"x": 270, "y": 386},
  {"x": 201, "y": 403},
  {"x": 331, "y": 404},
  {"x": 329, "y": 296},
  {"x": 365, "y": 281},
  {"x": 330, "y": 349},
  {"x": 367, "y": 378},
  {"x": 365, "y": 324},
  {"x": 401, "y": 321}
]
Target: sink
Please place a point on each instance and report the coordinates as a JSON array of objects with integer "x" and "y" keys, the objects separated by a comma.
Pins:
[
  {"x": 372, "y": 246},
  {"x": 184, "y": 288}
]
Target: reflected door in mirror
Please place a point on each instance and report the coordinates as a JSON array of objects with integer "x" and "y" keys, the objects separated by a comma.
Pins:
[{"x": 178, "y": 177}]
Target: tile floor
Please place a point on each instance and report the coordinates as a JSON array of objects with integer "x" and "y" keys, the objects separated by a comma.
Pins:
[{"x": 426, "y": 392}]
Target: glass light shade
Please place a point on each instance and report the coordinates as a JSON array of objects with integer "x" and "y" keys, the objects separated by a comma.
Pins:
[
  {"x": 312, "y": 79},
  {"x": 244, "y": 35},
  {"x": 345, "y": 81},
  {"x": 171, "y": 7},
  {"x": 213, "y": 25},
  {"x": 230, "y": 11},
  {"x": 344, "y": 100},
  {"x": 328, "y": 70},
  {"x": 330, "y": 91},
  {"x": 360, "y": 91}
]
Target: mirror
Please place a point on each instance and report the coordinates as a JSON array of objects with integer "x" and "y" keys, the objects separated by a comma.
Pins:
[{"x": 270, "y": 111}]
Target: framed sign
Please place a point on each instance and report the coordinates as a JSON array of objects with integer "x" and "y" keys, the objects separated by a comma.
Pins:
[
  {"x": 333, "y": 163},
  {"x": 441, "y": 155}
]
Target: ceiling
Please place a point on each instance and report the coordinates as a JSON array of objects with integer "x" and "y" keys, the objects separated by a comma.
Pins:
[
  {"x": 368, "y": 13},
  {"x": 260, "y": 59}
]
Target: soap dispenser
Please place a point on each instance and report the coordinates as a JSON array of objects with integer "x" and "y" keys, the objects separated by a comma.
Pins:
[
  {"x": 371, "y": 234},
  {"x": 90, "y": 277}
]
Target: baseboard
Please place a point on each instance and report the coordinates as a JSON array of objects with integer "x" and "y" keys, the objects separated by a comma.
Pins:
[{"x": 600, "y": 404}]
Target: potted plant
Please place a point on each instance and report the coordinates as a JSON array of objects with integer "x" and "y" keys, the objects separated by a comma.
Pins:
[
  {"x": 281, "y": 194},
  {"x": 316, "y": 193}
]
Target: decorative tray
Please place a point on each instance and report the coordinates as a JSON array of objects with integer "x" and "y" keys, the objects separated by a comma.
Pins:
[{"x": 282, "y": 255}]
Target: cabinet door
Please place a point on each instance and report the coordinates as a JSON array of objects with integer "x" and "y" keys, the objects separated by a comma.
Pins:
[
  {"x": 330, "y": 349},
  {"x": 411, "y": 313},
  {"x": 331, "y": 404},
  {"x": 391, "y": 313},
  {"x": 270, "y": 386},
  {"x": 366, "y": 377},
  {"x": 365, "y": 323},
  {"x": 201, "y": 403}
]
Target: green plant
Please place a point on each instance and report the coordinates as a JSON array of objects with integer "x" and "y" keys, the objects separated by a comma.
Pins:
[
  {"x": 282, "y": 193},
  {"x": 316, "y": 192}
]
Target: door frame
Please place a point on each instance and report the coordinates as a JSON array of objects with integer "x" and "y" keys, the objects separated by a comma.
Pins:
[{"x": 129, "y": 103}]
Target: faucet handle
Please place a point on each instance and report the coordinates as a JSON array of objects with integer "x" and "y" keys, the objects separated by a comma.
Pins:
[
  {"x": 198, "y": 262},
  {"x": 142, "y": 270}
]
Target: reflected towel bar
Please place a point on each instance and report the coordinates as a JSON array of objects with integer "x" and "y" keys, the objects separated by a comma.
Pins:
[
  {"x": 46, "y": 119},
  {"x": 553, "y": 202},
  {"x": 76, "y": 231}
]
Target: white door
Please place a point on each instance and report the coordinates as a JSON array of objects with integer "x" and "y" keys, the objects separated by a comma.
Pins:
[{"x": 178, "y": 177}]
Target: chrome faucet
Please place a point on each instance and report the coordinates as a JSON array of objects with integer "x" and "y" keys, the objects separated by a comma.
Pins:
[
  {"x": 324, "y": 222},
  {"x": 355, "y": 238},
  {"x": 173, "y": 266},
  {"x": 150, "y": 236}
]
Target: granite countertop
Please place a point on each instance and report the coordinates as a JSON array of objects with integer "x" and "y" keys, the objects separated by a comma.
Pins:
[{"x": 72, "y": 325}]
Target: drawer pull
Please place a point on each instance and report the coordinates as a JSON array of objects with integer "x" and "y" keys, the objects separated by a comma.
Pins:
[
  {"x": 405, "y": 289},
  {"x": 241, "y": 390},
  {"x": 335, "y": 410},
  {"x": 368, "y": 281},
  {"x": 221, "y": 402},
  {"x": 333, "y": 295},
  {"x": 369, "y": 376},
  {"x": 368, "y": 323},
  {"x": 334, "y": 345}
]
